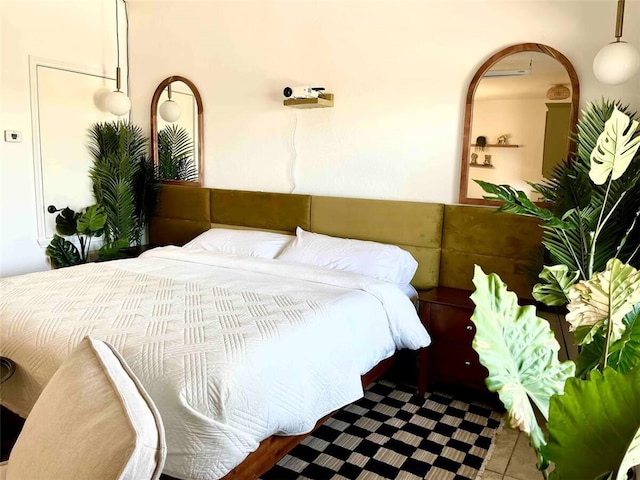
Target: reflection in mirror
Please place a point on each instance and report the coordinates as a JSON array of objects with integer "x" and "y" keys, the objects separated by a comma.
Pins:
[
  {"x": 522, "y": 105},
  {"x": 176, "y": 131}
]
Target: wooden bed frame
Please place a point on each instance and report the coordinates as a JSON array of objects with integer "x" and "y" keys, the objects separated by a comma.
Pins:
[{"x": 273, "y": 448}]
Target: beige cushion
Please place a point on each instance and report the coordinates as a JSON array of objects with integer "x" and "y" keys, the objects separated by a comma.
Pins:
[
  {"x": 3, "y": 471},
  {"x": 92, "y": 420}
]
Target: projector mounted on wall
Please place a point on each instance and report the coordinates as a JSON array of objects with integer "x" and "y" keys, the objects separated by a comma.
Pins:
[{"x": 302, "y": 92}]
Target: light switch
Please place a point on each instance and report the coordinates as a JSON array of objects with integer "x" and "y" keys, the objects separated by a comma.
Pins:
[{"x": 12, "y": 136}]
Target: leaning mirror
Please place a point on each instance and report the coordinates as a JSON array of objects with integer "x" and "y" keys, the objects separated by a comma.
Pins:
[
  {"x": 176, "y": 132},
  {"x": 521, "y": 106}
]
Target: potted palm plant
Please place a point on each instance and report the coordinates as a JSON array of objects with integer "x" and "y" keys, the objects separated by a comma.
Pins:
[
  {"x": 124, "y": 182},
  {"x": 591, "y": 407}
]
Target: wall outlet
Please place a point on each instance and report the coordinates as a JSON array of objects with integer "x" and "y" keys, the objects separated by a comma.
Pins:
[{"x": 12, "y": 136}]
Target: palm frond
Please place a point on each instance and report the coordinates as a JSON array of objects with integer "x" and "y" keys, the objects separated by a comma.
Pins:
[
  {"x": 176, "y": 160},
  {"x": 120, "y": 170}
]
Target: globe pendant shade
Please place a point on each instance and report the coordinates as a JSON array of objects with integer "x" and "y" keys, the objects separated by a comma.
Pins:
[
  {"x": 170, "y": 111},
  {"x": 616, "y": 63},
  {"x": 117, "y": 103}
]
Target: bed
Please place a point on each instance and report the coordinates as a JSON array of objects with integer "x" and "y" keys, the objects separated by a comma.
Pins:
[{"x": 241, "y": 354}]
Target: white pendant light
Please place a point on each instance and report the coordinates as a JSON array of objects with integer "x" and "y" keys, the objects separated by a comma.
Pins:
[
  {"x": 117, "y": 102},
  {"x": 169, "y": 110},
  {"x": 619, "y": 61}
]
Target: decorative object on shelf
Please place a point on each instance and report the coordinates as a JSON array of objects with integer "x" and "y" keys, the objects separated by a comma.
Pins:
[
  {"x": 619, "y": 61},
  {"x": 169, "y": 110},
  {"x": 487, "y": 159},
  {"x": 558, "y": 92},
  {"x": 84, "y": 225},
  {"x": 474, "y": 159},
  {"x": 117, "y": 101},
  {"x": 592, "y": 239},
  {"x": 503, "y": 139},
  {"x": 302, "y": 92},
  {"x": 481, "y": 143}
]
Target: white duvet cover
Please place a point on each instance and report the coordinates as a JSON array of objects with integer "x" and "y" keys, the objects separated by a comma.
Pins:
[{"x": 231, "y": 349}]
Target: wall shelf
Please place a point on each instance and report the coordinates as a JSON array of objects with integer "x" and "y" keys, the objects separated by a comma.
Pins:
[
  {"x": 481, "y": 165},
  {"x": 495, "y": 145},
  {"x": 323, "y": 101}
]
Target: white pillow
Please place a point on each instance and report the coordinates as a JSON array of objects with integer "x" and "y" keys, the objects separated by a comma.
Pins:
[
  {"x": 384, "y": 262},
  {"x": 254, "y": 243}
]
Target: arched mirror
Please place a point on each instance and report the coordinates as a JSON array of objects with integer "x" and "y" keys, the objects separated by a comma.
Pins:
[
  {"x": 522, "y": 103},
  {"x": 176, "y": 132}
]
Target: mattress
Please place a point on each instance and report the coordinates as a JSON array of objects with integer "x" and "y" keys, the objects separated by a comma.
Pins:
[{"x": 231, "y": 349}]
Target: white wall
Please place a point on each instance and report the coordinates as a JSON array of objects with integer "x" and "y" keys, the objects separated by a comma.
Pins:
[
  {"x": 399, "y": 71},
  {"x": 524, "y": 120},
  {"x": 81, "y": 33}
]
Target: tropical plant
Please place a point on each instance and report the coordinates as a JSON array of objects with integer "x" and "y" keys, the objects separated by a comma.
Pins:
[
  {"x": 590, "y": 205},
  {"x": 176, "y": 159},
  {"x": 592, "y": 407},
  {"x": 593, "y": 423},
  {"x": 84, "y": 226},
  {"x": 124, "y": 182}
]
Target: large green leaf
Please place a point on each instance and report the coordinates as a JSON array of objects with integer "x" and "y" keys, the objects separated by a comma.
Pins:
[
  {"x": 520, "y": 352},
  {"x": 66, "y": 222},
  {"x": 594, "y": 428},
  {"x": 556, "y": 289},
  {"x": 615, "y": 149},
  {"x": 92, "y": 221},
  {"x": 516, "y": 201},
  {"x": 624, "y": 354},
  {"x": 62, "y": 252},
  {"x": 603, "y": 300}
]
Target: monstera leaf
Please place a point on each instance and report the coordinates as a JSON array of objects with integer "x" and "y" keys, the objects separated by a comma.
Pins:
[
  {"x": 615, "y": 148},
  {"x": 92, "y": 221},
  {"x": 607, "y": 297},
  {"x": 594, "y": 428},
  {"x": 520, "y": 352},
  {"x": 555, "y": 292},
  {"x": 66, "y": 222},
  {"x": 624, "y": 354},
  {"x": 63, "y": 253},
  {"x": 112, "y": 251}
]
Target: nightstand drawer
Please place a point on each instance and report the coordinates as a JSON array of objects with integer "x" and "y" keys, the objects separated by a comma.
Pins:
[
  {"x": 451, "y": 323},
  {"x": 456, "y": 363}
]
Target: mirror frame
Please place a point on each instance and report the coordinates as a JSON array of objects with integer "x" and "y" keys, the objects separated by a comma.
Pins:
[
  {"x": 154, "y": 127},
  {"x": 468, "y": 113}
]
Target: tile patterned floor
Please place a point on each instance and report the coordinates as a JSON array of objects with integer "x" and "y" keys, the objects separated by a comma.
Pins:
[{"x": 512, "y": 458}]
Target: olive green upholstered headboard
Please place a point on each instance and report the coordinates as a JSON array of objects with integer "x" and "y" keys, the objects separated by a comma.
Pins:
[
  {"x": 446, "y": 240},
  {"x": 501, "y": 243},
  {"x": 185, "y": 212}
]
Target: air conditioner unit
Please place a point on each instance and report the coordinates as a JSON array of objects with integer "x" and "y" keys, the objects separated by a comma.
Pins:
[{"x": 507, "y": 73}]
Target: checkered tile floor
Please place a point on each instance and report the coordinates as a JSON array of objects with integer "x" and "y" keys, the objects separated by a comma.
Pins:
[{"x": 393, "y": 434}]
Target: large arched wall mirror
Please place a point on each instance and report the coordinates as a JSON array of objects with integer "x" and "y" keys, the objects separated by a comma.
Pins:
[
  {"x": 177, "y": 139},
  {"x": 521, "y": 106}
]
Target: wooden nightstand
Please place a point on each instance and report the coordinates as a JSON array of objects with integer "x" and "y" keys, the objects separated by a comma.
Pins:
[{"x": 446, "y": 314}]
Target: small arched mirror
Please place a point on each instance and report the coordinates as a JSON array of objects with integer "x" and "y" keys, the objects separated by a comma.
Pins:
[
  {"x": 522, "y": 105},
  {"x": 176, "y": 132}
]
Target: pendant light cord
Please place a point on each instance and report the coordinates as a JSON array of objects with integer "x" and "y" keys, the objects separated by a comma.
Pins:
[
  {"x": 126, "y": 17},
  {"x": 117, "y": 37}
]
